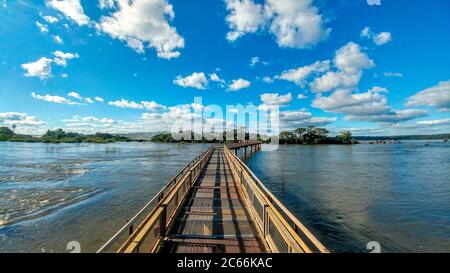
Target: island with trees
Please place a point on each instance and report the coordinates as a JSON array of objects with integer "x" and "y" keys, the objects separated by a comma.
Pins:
[
  {"x": 309, "y": 135},
  {"x": 60, "y": 136}
]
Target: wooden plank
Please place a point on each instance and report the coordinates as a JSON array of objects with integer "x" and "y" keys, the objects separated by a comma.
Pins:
[{"x": 214, "y": 217}]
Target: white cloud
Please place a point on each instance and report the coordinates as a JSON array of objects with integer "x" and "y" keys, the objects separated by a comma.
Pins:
[
  {"x": 437, "y": 96},
  {"x": 58, "y": 39},
  {"x": 42, "y": 68},
  {"x": 72, "y": 9},
  {"x": 267, "y": 79},
  {"x": 106, "y": 4},
  {"x": 302, "y": 97},
  {"x": 275, "y": 98},
  {"x": 238, "y": 84},
  {"x": 215, "y": 78},
  {"x": 79, "y": 97},
  {"x": 195, "y": 80},
  {"x": 434, "y": 122},
  {"x": 144, "y": 23},
  {"x": 123, "y": 103},
  {"x": 19, "y": 119},
  {"x": 378, "y": 38},
  {"x": 300, "y": 74},
  {"x": 394, "y": 116},
  {"x": 99, "y": 99},
  {"x": 61, "y": 58},
  {"x": 143, "y": 105},
  {"x": 349, "y": 61},
  {"x": 369, "y": 106},
  {"x": 295, "y": 24},
  {"x": 50, "y": 19},
  {"x": 99, "y": 120},
  {"x": 42, "y": 27},
  {"x": 54, "y": 99},
  {"x": 292, "y": 119},
  {"x": 256, "y": 60},
  {"x": 245, "y": 17},
  {"x": 152, "y": 105}
]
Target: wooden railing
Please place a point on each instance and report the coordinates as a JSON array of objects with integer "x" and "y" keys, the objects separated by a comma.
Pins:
[
  {"x": 156, "y": 216},
  {"x": 282, "y": 231}
]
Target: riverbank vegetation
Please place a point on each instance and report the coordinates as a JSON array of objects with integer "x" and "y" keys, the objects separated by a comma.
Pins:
[
  {"x": 309, "y": 135},
  {"x": 312, "y": 135},
  {"x": 60, "y": 136}
]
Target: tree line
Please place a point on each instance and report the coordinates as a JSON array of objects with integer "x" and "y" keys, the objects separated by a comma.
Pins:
[
  {"x": 312, "y": 135},
  {"x": 60, "y": 136}
]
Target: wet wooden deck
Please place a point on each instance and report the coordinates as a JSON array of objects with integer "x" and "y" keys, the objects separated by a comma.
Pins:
[{"x": 214, "y": 218}]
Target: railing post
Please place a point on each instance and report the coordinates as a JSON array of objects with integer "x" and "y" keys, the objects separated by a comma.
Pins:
[{"x": 162, "y": 227}]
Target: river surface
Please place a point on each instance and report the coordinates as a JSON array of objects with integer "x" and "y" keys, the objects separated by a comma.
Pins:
[{"x": 395, "y": 194}]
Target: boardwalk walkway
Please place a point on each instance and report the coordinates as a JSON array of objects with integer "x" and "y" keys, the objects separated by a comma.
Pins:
[
  {"x": 215, "y": 204},
  {"x": 214, "y": 217}
]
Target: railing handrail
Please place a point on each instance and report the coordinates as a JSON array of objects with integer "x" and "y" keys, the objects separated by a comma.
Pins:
[
  {"x": 140, "y": 213},
  {"x": 274, "y": 201}
]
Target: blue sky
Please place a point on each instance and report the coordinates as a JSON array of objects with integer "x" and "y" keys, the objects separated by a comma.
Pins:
[{"x": 375, "y": 69}]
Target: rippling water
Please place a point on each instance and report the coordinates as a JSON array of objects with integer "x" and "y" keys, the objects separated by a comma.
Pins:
[
  {"x": 51, "y": 194},
  {"x": 398, "y": 195}
]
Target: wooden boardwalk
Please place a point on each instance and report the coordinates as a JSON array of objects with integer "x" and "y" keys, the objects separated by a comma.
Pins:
[
  {"x": 215, "y": 204},
  {"x": 214, "y": 218}
]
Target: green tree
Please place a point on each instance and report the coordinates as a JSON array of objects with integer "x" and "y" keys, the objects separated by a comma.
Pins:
[{"x": 346, "y": 137}]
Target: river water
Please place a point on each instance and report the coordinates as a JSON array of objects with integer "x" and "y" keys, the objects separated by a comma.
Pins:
[{"x": 396, "y": 194}]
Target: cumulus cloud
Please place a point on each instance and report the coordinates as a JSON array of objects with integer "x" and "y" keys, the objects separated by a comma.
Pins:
[
  {"x": 50, "y": 19},
  {"x": 300, "y": 74},
  {"x": 378, "y": 38},
  {"x": 19, "y": 119},
  {"x": 215, "y": 78},
  {"x": 79, "y": 97},
  {"x": 292, "y": 119},
  {"x": 295, "y": 24},
  {"x": 267, "y": 79},
  {"x": 144, "y": 23},
  {"x": 72, "y": 9},
  {"x": 275, "y": 99},
  {"x": 244, "y": 17},
  {"x": 61, "y": 58},
  {"x": 437, "y": 96},
  {"x": 349, "y": 61},
  {"x": 99, "y": 99},
  {"x": 143, "y": 105},
  {"x": 41, "y": 68},
  {"x": 123, "y": 103},
  {"x": 302, "y": 97},
  {"x": 369, "y": 106},
  {"x": 256, "y": 60},
  {"x": 393, "y": 116},
  {"x": 106, "y": 4},
  {"x": 52, "y": 98},
  {"x": 58, "y": 39},
  {"x": 42, "y": 27},
  {"x": 238, "y": 84},
  {"x": 196, "y": 80}
]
